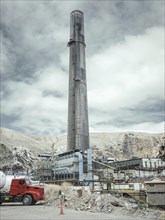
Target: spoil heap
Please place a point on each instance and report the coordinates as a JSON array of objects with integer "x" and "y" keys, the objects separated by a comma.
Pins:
[{"x": 81, "y": 198}]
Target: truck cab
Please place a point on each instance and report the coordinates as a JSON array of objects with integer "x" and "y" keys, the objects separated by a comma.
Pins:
[{"x": 21, "y": 190}]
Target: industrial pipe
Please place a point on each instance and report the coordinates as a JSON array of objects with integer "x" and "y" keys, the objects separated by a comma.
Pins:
[{"x": 80, "y": 165}]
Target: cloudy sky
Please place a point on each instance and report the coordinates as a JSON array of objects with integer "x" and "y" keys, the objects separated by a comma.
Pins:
[{"x": 124, "y": 63}]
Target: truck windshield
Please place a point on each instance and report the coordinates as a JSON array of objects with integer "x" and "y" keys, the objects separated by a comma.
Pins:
[
  {"x": 22, "y": 182},
  {"x": 28, "y": 182}
]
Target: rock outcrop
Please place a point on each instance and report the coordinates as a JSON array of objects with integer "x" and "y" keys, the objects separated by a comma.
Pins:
[{"x": 16, "y": 158}]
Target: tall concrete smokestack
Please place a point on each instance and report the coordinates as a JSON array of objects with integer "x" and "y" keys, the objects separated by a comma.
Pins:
[{"x": 78, "y": 130}]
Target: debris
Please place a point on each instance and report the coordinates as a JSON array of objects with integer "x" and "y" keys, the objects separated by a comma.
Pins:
[
  {"x": 81, "y": 198},
  {"x": 116, "y": 204}
]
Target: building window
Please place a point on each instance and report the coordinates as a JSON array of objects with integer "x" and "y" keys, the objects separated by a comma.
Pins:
[
  {"x": 155, "y": 164},
  {"x": 151, "y": 184},
  {"x": 150, "y": 164},
  {"x": 131, "y": 185},
  {"x": 145, "y": 163}
]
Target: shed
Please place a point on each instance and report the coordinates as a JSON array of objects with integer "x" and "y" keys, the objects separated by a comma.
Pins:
[{"x": 155, "y": 192}]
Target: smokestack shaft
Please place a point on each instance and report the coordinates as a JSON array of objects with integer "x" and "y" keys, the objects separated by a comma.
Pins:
[{"x": 78, "y": 130}]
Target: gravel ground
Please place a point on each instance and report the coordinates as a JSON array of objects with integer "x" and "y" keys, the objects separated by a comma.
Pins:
[{"x": 43, "y": 212}]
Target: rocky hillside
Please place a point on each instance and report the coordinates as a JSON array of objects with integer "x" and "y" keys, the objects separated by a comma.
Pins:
[
  {"x": 120, "y": 146},
  {"x": 11, "y": 138},
  {"x": 126, "y": 145},
  {"x": 20, "y": 150}
]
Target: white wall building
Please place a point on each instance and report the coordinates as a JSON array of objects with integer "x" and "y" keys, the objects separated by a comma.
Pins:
[{"x": 152, "y": 162}]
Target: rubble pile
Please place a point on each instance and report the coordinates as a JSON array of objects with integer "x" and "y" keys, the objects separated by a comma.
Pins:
[
  {"x": 81, "y": 198},
  {"x": 51, "y": 192}
]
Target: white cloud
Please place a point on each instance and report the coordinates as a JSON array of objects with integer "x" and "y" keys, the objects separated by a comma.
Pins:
[
  {"x": 128, "y": 72},
  {"x": 34, "y": 109},
  {"x": 52, "y": 78}
]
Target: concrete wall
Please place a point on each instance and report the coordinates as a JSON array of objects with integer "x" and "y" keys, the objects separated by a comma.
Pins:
[
  {"x": 69, "y": 162},
  {"x": 156, "y": 198},
  {"x": 119, "y": 186},
  {"x": 128, "y": 186},
  {"x": 119, "y": 175},
  {"x": 156, "y": 193},
  {"x": 156, "y": 187},
  {"x": 141, "y": 173},
  {"x": 138, "y": 186},
  {"x": 162, "y": 173},
  {"x": 127, "y": 174}
]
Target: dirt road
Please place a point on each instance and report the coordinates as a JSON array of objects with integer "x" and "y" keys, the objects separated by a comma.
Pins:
[{"x": 42, "y": 212}]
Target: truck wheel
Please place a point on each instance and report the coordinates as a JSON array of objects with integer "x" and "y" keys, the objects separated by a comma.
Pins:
[{"x": 27, "y": 200}]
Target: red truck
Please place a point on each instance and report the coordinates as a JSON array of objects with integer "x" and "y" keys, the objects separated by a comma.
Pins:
[{"x": 22, "y": 191}]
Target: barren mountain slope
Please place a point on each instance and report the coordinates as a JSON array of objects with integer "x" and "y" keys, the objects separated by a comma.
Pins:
[
  {"x": 12, "y": 138},
  {"x": 17, "y": 150},
  {"x": 123, "y": 145},
  {"x": 126, "y": 145}
]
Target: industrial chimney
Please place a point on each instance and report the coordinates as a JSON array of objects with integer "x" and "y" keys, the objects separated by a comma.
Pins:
[{"x": 78, "y": 129}]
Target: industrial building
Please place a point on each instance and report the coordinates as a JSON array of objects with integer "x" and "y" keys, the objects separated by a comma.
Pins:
[
  {"x": 73, "y": 166},
  {"x": 155, "y": 192},
  {"x": 148, "y": 163}
]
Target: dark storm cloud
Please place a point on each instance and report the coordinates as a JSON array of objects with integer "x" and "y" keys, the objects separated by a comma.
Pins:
[
  {"x": 29, "y": 34},
  {"x": 147, "y": 111},
  {"x": 26, "y": 37},
  {"x": 150, "y": 105},
  {"x": 29, "y": 40},
  {"x": 109, "y": 22}
]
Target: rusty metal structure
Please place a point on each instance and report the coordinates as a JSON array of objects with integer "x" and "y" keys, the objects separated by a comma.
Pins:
[{"x": 78, "y": 130}]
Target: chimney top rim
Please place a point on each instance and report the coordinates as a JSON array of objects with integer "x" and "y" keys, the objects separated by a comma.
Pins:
[{"x": 77, "y": 11}]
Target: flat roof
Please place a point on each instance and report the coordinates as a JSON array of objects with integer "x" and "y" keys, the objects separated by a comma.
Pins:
[{"x": 159, "y": 181}]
